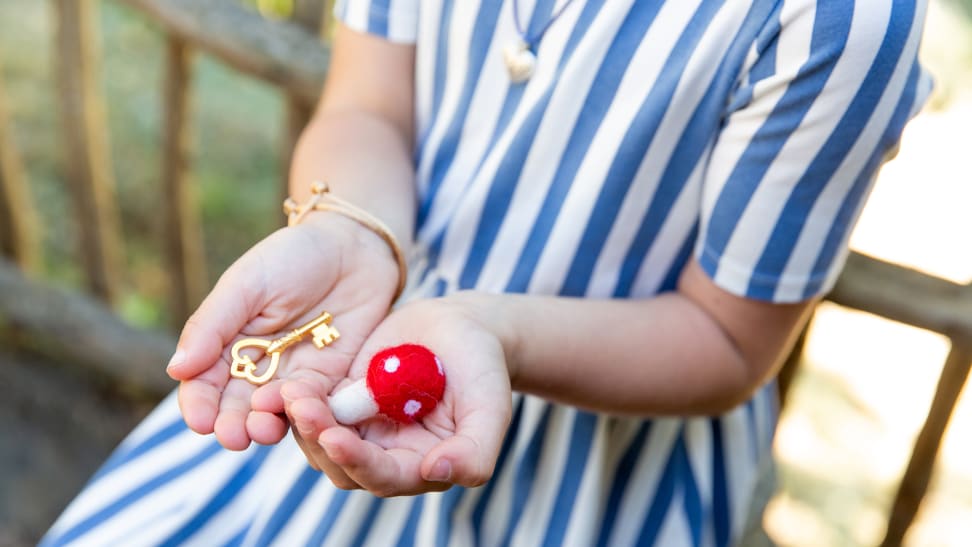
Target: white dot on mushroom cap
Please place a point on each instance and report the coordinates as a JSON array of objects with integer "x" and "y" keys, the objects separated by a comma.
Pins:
[
  {"x": 439, "y": 364},
  {"x": 392, "y": 364},
  {"x": 412, "y": 406}
]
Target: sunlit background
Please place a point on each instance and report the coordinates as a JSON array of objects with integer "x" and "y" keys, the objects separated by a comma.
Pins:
[{"x": 863, "y": 390}]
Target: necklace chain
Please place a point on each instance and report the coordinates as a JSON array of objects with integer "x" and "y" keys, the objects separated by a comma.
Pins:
[{"x": 532, "y": 41}]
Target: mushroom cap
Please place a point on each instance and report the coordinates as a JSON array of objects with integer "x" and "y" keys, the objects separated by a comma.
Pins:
[{"x": 406, "y": 381}]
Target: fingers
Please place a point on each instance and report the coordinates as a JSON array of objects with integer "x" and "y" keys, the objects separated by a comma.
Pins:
[
  {"x": 304, "y": 446},
  {"x": 468, "y": 457},
  {"x": 310, "y": 416},
  {"x": 199, "y": 399},
  {"x": 384, "y": 473},
  {"x": 266, "y": 427},
  {"x": 234, "y": 409},
  {"x": 304, "y": 399},
  {"x": 482, "y": 412},
  {"x": 198, "y": 402},
  {"x": 209, "y": 399},
  {"x": 229, "y": 415},
  {"x": 220, "y": 317},
  {"x": 267, "y": 398}
]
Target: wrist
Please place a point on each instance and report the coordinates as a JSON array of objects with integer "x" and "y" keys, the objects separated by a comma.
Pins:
[
  {"x": 496, "y": 314},
  {"x": 359, "y": 246},
  {"x": 322, "y": 200}
]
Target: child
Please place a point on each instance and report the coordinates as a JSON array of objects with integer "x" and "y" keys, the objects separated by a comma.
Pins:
[{"x": 621, "y": 213}]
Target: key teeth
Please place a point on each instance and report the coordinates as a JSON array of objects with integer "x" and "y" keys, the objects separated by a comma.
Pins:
[{"x": 324, "y": 336}]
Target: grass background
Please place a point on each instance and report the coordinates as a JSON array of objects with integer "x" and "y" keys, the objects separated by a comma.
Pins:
[{"x": 235, "y": 166}]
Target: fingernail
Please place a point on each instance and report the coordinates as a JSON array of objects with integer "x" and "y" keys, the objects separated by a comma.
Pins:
[
  {"x": 285, "y": 394},
  {"x": 441, "y": 470},
  {"x": 332, "y": 450},
  {"x": 304, "y": 428},
  {"x": 178, "y": 358}
]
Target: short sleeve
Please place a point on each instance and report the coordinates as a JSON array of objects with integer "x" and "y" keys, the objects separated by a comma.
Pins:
[
  {"x": 394, "y": 20},
  {"x": 823, "y": 98}
]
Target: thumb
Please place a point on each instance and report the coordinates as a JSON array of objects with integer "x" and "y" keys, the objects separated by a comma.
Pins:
[
  {"x": 469, "y": 457},
  {"x": 220, "y": 317}
]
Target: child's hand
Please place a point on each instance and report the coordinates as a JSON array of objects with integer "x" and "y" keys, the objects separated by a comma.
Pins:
[
  {"x": 327, "y": 263},
  {"x": 457, "y": 443}
]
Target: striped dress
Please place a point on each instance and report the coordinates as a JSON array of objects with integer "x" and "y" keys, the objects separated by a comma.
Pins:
[{"x": 745, "y": 134}]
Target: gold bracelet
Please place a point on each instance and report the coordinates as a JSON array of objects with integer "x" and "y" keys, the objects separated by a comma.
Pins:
[{"x": 322, "y": 200}]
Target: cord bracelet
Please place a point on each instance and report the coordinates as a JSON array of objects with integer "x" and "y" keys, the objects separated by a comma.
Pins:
[{"x": 323, "y": 200}]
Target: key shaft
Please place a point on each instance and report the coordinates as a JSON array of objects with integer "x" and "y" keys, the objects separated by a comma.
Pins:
[{"x": 294, "y": 336}]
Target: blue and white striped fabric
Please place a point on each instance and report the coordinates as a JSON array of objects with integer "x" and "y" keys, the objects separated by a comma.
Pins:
[{"x": 745, "y": 134}]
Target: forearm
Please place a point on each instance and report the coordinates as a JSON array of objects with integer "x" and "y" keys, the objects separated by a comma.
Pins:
[
  {"x": 365, "y": 159},
  {"x": 666, "y": 355},
  {"x": 649, "y": 357},
  {"x": 361, "y": 137}
]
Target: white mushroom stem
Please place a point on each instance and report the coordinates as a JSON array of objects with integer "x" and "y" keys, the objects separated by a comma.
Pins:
[{"x": 353, "y": 404}]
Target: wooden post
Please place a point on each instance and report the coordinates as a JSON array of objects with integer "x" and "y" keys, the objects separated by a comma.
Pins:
[
  {"x": 18, "y": 236},
  {"x": 784, "y": 379},
  {"x": 311, "y": 15},
  {"x": 277, "y": 53},
  {"x": 183, "y": 243},
  {"x": 89, "y": 337},
  {"x": 917, "y": 476},
  {"x": 88, "y": 162}
]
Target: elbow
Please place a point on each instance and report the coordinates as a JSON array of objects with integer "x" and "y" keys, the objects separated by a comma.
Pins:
[
  {"x": 737, "y": 387},
  {"x": 729, "y": 399}
]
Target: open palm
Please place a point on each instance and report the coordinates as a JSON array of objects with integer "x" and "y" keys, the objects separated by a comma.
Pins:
[
  {"x": 457, "y": 443},
  {"x": 329, "y": 263}
]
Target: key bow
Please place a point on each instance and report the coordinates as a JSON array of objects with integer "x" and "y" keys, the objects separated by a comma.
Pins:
[{"x": 244, "y": 367}]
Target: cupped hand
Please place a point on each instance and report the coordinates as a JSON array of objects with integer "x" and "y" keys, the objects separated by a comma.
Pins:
[
  {"x": 327, "y": 263},
  {"x": 457, "y": 443}
]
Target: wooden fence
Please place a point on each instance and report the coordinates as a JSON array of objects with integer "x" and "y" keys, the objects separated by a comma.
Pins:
[{"x": 293, "y": 58}]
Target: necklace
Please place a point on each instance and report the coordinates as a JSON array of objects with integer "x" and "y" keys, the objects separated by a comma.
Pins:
[{"x": 518, "y": 55}]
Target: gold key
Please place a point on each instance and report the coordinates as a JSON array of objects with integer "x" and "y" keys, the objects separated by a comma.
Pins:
[
  {"x": 243, "y": 366},
  {"x": 319, "y": 328}
]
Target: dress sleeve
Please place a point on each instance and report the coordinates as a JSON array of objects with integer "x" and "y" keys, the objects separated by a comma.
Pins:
[
  {"x": 821, "y": 102},
  {"x": 394, "y": 20}
]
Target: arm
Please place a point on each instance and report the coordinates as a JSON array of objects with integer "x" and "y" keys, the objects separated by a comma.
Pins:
[
  {"x": 360, "y": 143},
  {"x": 699, "y": 350},
  {"x": 361, "y": 137}
]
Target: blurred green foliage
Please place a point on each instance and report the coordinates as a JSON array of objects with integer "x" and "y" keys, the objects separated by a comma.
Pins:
[
  {"x": 234, "y": 167},
  {"x": 277, "y": 9},
  {"x": 965, "y": 6}
]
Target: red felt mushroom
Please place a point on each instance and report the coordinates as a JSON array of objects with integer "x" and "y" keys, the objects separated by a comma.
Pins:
[{"x": 403, "y": 383}]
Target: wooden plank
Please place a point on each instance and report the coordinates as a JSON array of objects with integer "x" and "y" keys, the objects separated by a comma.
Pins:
[
  {"x": 88, "y": 162},
  {"x": 312, "y": 15},
  {"x": 183, "y": 238},
  {"x": 278, "y": 52},
  {"x": 18, "y": 225},
  {"x": 905, "y": 295},
  {"x": 72, "y": 329},
  {"x": 918, "y": 474},
  {"x": 788, "y": 371},
  {"x": 925, "y": 301}
]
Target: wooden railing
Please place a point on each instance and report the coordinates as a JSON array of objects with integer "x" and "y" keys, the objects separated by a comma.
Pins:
[
  {"x": 293, "y": 58},
  {"x": 920, "y": 300}
]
